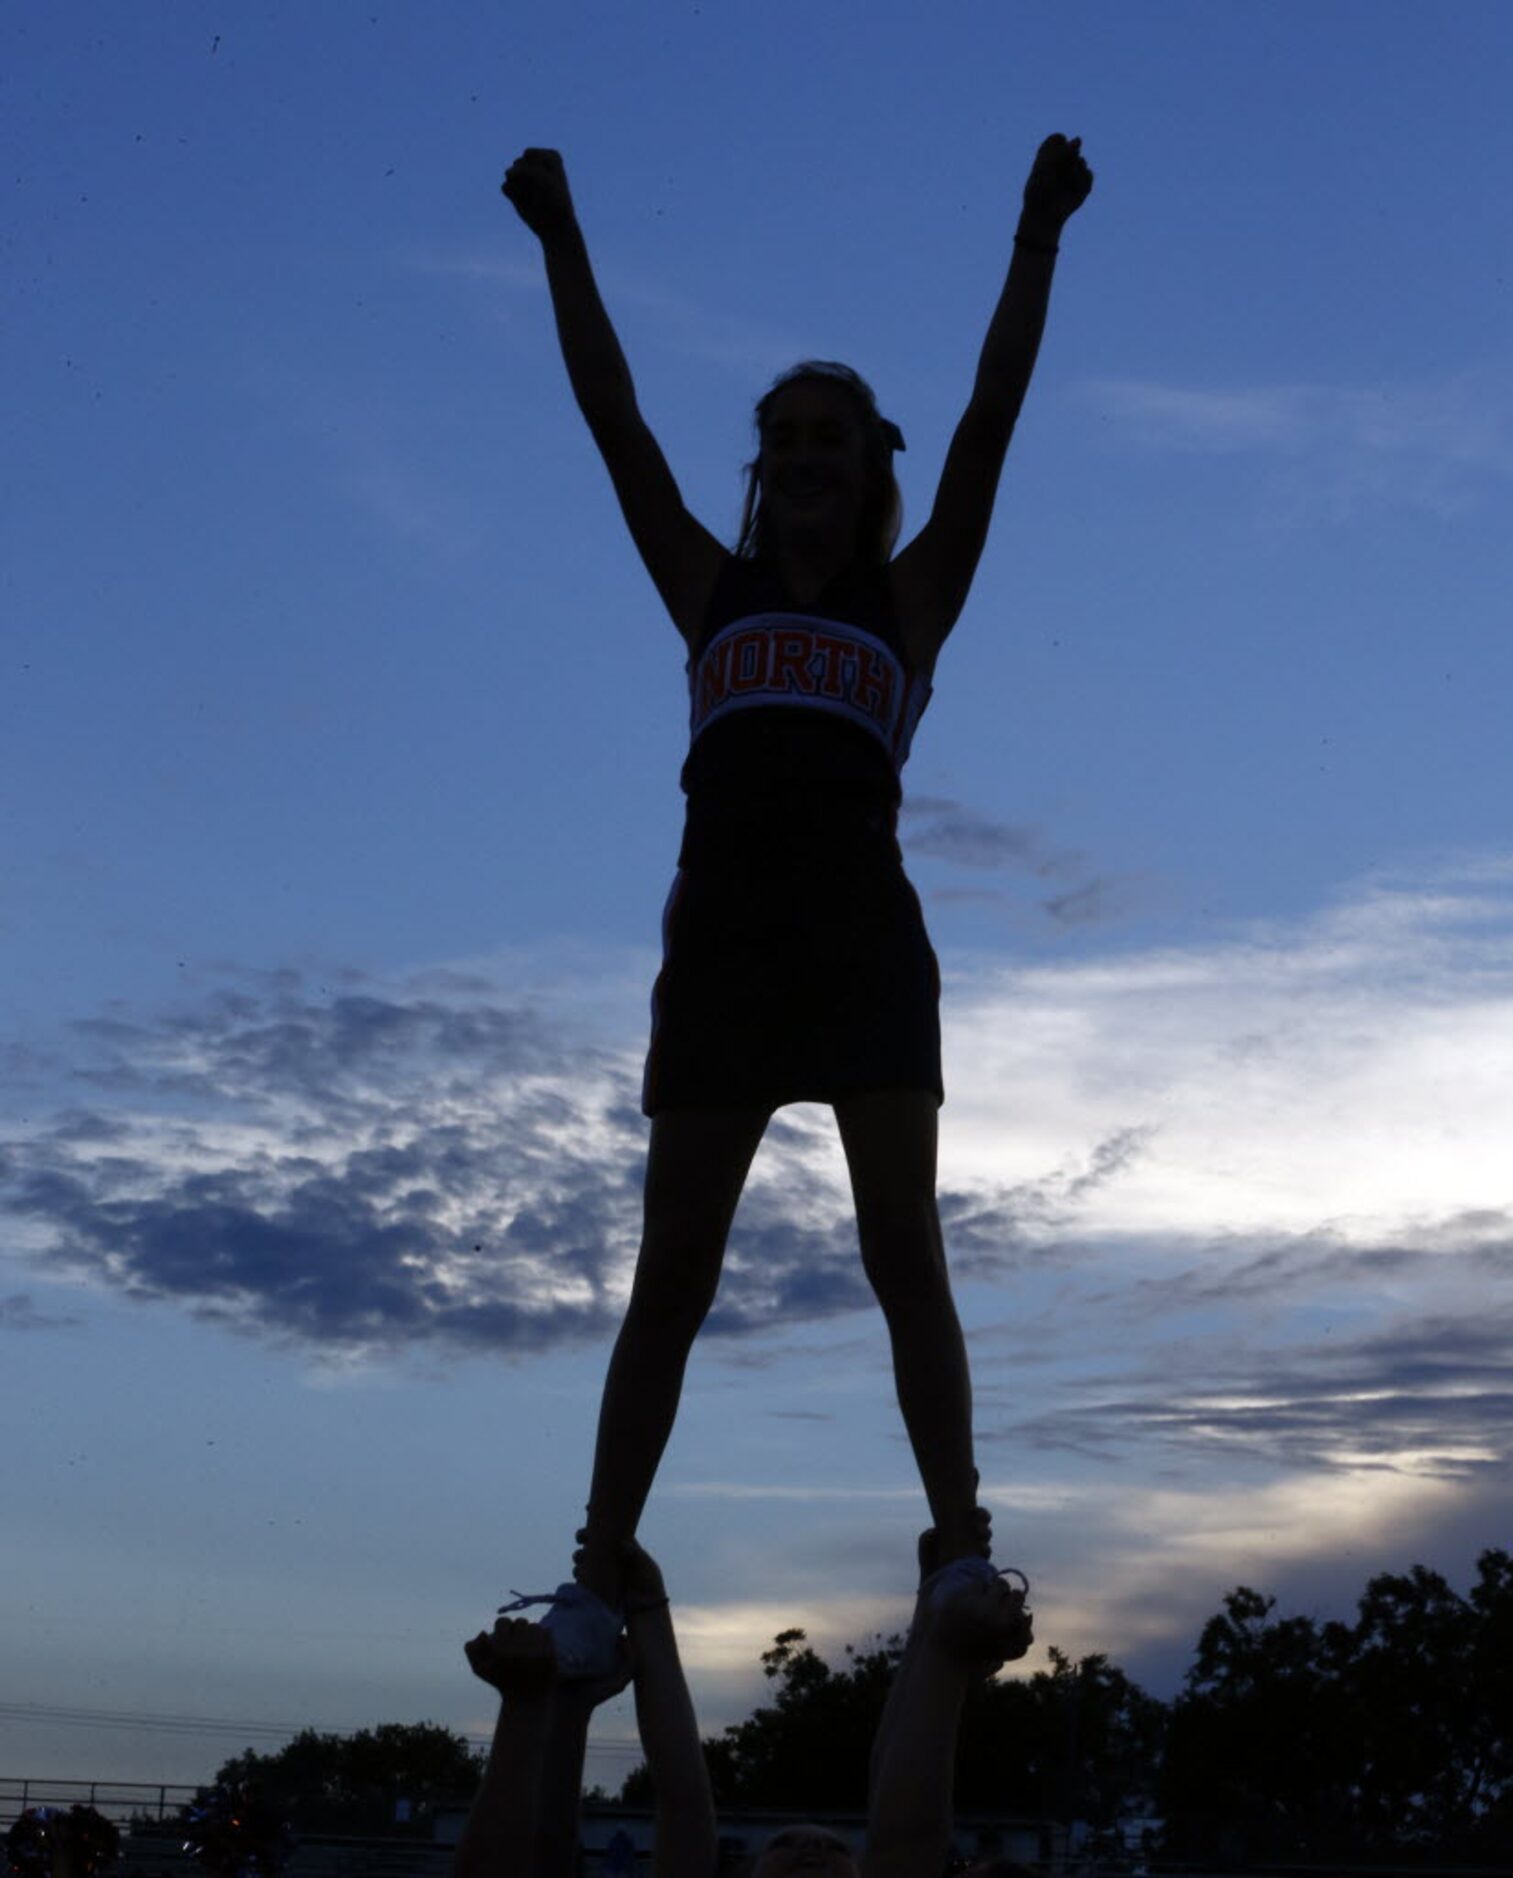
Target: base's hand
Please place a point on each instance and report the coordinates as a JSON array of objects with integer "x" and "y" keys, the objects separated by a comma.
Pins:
[
  {"x": 587, "y": 1692},
  {"x": 638, "y": 1573},
  {"x": 929, "y": 1543},
  {"x": 518, "y": 1657},
  {"x": 929, "y": 1540},
  {"x": 1060, "y": 181}
]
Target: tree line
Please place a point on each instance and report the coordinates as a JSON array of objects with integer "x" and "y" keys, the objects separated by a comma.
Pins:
[{"x": 1388, "y": 1738}]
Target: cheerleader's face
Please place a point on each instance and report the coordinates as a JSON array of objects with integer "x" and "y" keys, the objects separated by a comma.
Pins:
[{"x": 814, "y": 463}]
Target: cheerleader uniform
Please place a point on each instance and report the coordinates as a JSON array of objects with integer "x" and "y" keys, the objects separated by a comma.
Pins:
[{"x": 796, "y": 966}]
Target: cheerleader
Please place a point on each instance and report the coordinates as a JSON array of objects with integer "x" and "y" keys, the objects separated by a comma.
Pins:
[{"x": 796, "y": 965}]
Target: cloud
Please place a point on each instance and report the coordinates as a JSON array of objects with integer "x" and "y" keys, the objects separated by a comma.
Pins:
[
  {"x": 1346, "y": 1071},
  {"x": 17, "y": 1312},
  {"x": 373, "y": 1170},
  {"x": 1105, "y": 896},
  {"x": 1242, "y": 1198},
  {"x": 945, "y": 829},
  {"x": 1422, "y": 1397},
  {"x": 352, "y": 1172},
  {"x": 1309, "y": 1540},
  {"x": 680, "y": 324},
  {"x": 1435, "y": 444},
  {"x": 1230, "y": 1227},
  {"x": 939, "y": 828}
]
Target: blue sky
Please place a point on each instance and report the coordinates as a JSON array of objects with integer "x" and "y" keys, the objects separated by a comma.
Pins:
[{"x": 342, "y": 730}]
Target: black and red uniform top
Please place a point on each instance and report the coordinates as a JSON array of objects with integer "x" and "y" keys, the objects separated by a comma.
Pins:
[{"x": 800, "y": 720}]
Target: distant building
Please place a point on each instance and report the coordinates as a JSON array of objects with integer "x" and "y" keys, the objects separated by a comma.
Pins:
[{"x": 742, "y": 1832}]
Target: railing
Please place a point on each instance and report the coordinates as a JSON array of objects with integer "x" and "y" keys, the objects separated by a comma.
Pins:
[{"x": 119, "y": 1800}]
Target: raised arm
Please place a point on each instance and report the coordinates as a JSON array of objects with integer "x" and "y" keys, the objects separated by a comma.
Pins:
[
  {"x": 681, "y": 555},
  {"x": 1058, "y": 185},
  {"x": 536, "y": 183},
  {"x": 929, "y": 1559},
  {"x": 523, "y": 1822},
  {"x": 499, "y": 1840},
  {"x": 951, "y": 1644},
  {"x": 933, "y": 575},
  {"x": 574, "y": 1700},
  {"x": 687, "y": 1841}
]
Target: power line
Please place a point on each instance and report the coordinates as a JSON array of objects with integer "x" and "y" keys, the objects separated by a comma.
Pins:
[
  {"x": 139, "y": 1718},
  {"x": 57, "y": 1715}
]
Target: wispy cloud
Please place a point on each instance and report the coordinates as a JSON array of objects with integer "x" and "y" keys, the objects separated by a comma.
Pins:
[
  {"x": 939, "y": 828},
  {"x": 18, "y": 1312},
  {"x": 1434, "y": 444},
  {"x": 1104, "y": 897},
  {"x": 1431, "y": 1397},
  {"x": 680, "y": 324},
  {"x": 950, "y": 831}
]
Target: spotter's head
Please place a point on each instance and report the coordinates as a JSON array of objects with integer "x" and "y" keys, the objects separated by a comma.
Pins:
[{"x": 812, "y": 1849}]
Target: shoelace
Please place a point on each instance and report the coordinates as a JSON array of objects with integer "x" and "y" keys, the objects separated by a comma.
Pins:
[
  {"x": 522, "y": 1598},
  {"x": 999, "y": 1571}
]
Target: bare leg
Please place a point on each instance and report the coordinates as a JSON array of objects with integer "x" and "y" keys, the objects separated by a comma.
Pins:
[
  {"x": 696, "y": 1167},
  {"x": 642, "y": 1390},
  {"x": 935, "y": 1396},
  {"x": 889, "y": 1138}
]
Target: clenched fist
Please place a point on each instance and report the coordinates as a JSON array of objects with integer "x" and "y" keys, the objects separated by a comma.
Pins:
[
  {"x": 536, "y": 183},
  {"x": 1060, "y": 181},
  {"x": 518, "y": 1657}
]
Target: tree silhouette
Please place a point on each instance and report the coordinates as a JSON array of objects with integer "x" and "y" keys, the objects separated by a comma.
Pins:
[
  {"x": 1390, "y": 1735},
  {"x": 1077, "y": 1741},
  {"x": 322, "y": 1776},
  {"x": 1259, "y": 1748},
  {"x": 1432, "y": 1672},
  {"x": 1385, "y": 1738},
  {"x": 809, "y": 1749}
]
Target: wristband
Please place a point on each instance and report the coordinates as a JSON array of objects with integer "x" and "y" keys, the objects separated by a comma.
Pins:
[{"x": 1036, "y": 247}]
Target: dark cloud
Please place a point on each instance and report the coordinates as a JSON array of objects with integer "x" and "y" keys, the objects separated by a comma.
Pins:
[
  {"x": 1105, "y": 896},
  {"x": 373, "y": 1171},
  {"x": 264, "y": 1047},
  {"x": 942, "y": 829},
  {"x": 17, "y": 1312},
  {"x": 356, "y": 1172},
  {"x": 945, "y": 829},
  {"x": 1229, "y": 1271},
  {"x": 1430, "y": 1395},
  {"x": 87, "y": 1127}
]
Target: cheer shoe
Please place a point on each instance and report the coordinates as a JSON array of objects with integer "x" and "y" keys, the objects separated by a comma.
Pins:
[
  {"x": 584, "y": 1628},
  {"x": 967, "y": 1571}
]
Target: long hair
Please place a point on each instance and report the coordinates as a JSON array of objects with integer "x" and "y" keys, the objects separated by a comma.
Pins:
[{"x": 882, "y": 511}]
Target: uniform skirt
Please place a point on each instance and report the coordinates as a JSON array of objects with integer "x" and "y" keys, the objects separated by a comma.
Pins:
[{"x": 778, "y": 987}]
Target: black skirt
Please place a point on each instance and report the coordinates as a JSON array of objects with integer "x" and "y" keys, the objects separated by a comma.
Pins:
[{"x": 782, "y": 985}]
